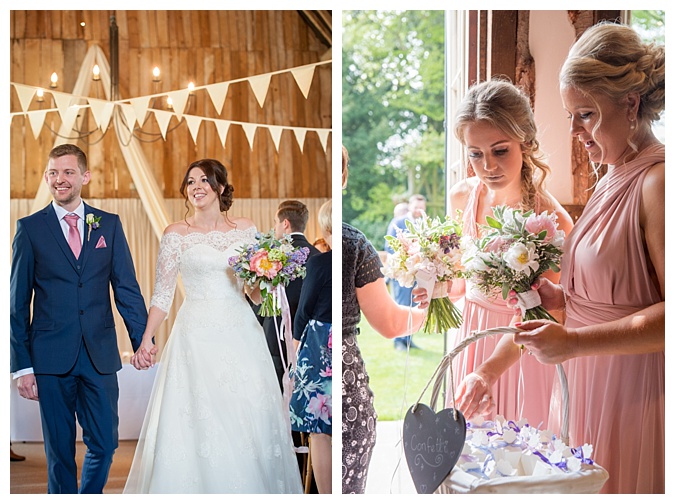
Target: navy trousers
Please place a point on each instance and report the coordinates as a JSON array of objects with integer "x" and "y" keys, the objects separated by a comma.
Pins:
[{"x": 91, "y": 398}]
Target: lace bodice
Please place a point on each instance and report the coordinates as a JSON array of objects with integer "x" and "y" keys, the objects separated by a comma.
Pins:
[{"x": 201, "y": 259}]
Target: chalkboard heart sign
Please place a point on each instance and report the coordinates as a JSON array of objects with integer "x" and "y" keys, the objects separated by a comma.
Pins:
[{"x": 432, "y": 443}]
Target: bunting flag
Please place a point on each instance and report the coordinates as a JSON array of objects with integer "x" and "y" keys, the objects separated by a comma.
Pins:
[
  {"x": 275, "y": 132},
  {"x": 323, "y": 138},
  {"x": 193, "y": 122},
  {"x": 300, "y": 137},
  {"x": 37, "y": 119},
  {"x": 68, "y": 120},
  {"x": 222, "y": 127},
  {"x": 25, "y": 94},
  {"x": 136, "y": 110},
  {"x": 218, "y": 93},
  {"x": 260, "y": 85},
  {"x": 303, "y": 77},
  {"x": 62, "y": 101},
  {"x": 140, "y": 106},
  {"x": 250, "y": 130},
  {"x": 179, "y": 100},
  {"x": 102, "y": 111},
  {"x": 163, "y": 117},
  {"x": 129, "y": 115}
]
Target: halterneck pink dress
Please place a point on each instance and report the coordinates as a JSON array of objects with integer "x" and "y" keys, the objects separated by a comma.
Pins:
[
  {"x": 527, "y": 396},
  {"x": 617, "y": 402}
]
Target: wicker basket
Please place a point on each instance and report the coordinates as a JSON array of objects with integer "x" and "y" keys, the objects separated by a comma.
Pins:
[{"x": 589, "y": 479}]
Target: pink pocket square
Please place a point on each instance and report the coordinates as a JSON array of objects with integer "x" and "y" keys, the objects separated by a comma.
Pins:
[{"x": 101, "y": 243}]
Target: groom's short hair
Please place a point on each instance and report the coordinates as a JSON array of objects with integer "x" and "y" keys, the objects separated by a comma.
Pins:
[
  {"x": 296, "y": 212},
  {"x": 70, "y": 150}
]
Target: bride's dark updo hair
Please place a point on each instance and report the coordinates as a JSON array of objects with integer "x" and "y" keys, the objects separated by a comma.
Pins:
[{"x": 216, "y": 174}]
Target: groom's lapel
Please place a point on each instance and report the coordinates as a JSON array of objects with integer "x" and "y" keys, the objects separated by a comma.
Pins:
[
  {"x": 52, "y": 223},
  {"x": 86, "y": 245}
]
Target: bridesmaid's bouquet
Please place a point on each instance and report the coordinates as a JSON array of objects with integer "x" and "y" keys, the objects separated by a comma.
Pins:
[
  {"x": 271, "y": 264},
  {"x": 516, "y": 248},
  {"x": 428, "y": 252}
]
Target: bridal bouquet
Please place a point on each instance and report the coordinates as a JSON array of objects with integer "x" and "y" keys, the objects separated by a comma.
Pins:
[
  {"x": 515, "y": 250},
  {"x": 428, "y": 252},
  {"x": 270, "y": 263}
]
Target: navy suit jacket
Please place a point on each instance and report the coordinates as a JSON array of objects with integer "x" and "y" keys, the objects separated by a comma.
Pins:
[{"x": 70, "y": 297}]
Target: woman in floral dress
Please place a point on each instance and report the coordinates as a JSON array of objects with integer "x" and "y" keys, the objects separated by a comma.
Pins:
[{"x": 311, "y": 405}]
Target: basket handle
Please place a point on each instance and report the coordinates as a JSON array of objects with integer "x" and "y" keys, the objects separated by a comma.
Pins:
[{"x": 446, "y": 362}]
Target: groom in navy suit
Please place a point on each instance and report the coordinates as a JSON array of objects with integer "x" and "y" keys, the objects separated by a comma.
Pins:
[{"x": 64, "y": 351}]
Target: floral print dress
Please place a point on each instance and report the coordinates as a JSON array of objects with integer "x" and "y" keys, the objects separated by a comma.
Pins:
[{"x": 311, "y": 407}]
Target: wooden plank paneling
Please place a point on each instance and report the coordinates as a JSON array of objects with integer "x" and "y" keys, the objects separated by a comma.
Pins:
[{"x": 202, "y": 46}]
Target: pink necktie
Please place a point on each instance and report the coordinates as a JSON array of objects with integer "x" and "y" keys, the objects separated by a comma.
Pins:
[{"x": 73, "y": 234}]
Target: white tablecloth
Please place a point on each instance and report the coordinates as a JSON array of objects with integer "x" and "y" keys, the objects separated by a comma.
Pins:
[{"x": 135, "y": 388}]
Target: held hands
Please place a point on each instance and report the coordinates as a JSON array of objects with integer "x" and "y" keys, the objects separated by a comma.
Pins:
[
  {"x": 474, "y": 396},
  {"x": 549, "y": 342},
  {"x": 144, "y": 357}
]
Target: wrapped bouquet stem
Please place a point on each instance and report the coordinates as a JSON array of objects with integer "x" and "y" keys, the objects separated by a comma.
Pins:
[
  {"x": 442, "y": 314},
  {"x": 529, "y": 303}
]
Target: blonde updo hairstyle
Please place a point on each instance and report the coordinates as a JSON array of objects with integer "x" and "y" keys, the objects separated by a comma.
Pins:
[
  {"x": 613, "y": 60},
  {"x": 325, "y": 218},
  {"x": 504, "y": 106}
]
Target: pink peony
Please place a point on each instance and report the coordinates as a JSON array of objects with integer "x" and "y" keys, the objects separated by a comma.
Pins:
[
  {"x": 535, "y": 224},
  {"x": 262, "y": 266},
  {"x": 321, "y": 407},
  {"x": 497, "y": 244}
]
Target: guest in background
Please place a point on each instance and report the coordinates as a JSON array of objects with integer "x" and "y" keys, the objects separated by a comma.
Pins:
[
  {"x": 415, "y": 208},
  {"x": 321, "y": 245},
  {"x": 290, "y": 219},
  {"x": 363, "y": 291},
  {"x": 311, "y": 405}
]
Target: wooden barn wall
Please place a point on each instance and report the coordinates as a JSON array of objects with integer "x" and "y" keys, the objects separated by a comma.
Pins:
[{"x": 200, "y": 46}]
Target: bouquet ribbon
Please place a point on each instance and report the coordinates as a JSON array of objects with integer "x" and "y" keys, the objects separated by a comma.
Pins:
[
  {"x": 528, "y": 300},
  {"x": 281, "y": 300},
  {"x": 440, "y": 290}
]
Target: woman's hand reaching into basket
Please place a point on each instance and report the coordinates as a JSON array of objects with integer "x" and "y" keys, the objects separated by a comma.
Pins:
[{"x": 474, "y": 396}]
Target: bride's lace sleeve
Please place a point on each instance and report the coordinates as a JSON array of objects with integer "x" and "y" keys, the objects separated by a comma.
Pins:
[{"x": 166, "y": 272}]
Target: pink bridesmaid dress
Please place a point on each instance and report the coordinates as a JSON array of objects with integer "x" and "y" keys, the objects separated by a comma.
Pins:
[
  {"x": 617, "y": 402},
  {"x": 524, "y": 390}
]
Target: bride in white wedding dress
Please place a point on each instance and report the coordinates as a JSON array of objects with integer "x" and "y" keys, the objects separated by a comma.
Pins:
[{"x": 215, "y": 420}]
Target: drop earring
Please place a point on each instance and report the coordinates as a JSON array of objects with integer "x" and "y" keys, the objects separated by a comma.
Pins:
[{"x": 632, "y": 124}]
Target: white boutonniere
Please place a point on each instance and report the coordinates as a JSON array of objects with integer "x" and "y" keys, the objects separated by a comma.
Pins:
[{"x": 93, "y": 222}]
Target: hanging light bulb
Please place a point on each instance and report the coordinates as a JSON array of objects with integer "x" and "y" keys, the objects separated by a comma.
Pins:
[
  {"x": 191, "y": 87},
  {"x": 40, "y": 95},
  {"x": 169, "y": 103},
  {"x": 54, "y": 80},
  {"x": 155, "y": 74},
  {"x": 97, "y": 73}
]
